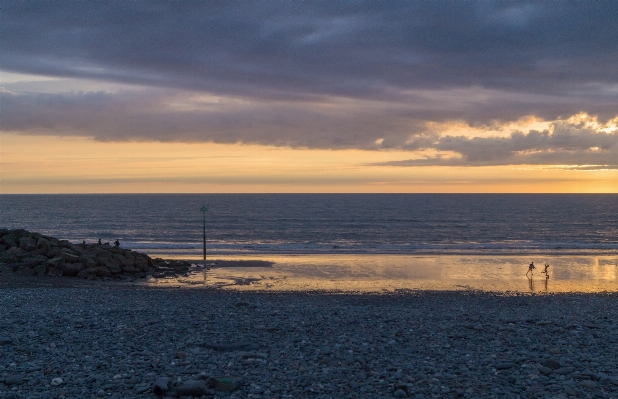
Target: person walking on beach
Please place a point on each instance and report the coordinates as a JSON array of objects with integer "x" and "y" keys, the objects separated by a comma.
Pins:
[
  {"x": 546, "y": 271},
  {"x": 530, "y": 269}
]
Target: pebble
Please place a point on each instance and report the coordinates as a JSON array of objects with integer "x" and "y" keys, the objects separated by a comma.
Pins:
[
  {"x": 552, "y": 364},
  {"x": 56, "y": 381},
  {"x": 123, "y": 342},
  {"x": 14, "y": 380}
]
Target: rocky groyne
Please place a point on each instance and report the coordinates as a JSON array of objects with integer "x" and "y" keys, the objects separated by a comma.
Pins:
[{"x": 34, "y": 254}]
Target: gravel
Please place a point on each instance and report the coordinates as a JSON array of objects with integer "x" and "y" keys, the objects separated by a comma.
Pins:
[{"x": 130, "y": 342}]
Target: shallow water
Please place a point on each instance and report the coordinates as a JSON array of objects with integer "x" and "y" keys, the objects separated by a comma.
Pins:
[{"x": 379, "y": 273}]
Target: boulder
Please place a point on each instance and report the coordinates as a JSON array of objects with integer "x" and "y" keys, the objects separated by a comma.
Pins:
[
  {"x": 40, "y": 270},
  {"x": 52, "y": 271},
  {"x": 43, "y": 244},
  {"x": 65, "y": 244},
  {"x": 113, "y": 267},
  {"x": 9, "y": 240},
  {"x": 13, "y": 254},
  {"x": 72, "y": 269},
  {"x": 32, "y": 261},
  {"x": 27, "y": 244},
  {"x": 102, "y": 271},
  {"x": 68, "y": 257},
  {"x": 129, "y": 269},
  {"x": 87, "y": 262},
  {"x": 122, "y": 261},
  {"x": 56, "y": 263},
  {"x": 25, "y": 270},
  {"x": 141, "y": 263},
  {"x": 87, "y": 273}
]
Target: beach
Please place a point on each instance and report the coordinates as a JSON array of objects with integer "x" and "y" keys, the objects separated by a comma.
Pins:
[
  {"x": 97, "y": 339},
  {"x": 368, "y": 273}
]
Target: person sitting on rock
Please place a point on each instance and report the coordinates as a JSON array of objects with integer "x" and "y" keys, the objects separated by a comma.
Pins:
[
  {"x": 117, "y": 243},
  {"x": 100, "y": 243}
]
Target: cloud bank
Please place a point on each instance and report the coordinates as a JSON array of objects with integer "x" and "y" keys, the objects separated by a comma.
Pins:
[{"x": 366, "y": 74}]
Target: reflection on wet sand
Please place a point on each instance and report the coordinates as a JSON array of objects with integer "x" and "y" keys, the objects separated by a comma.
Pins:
[{"x": 378, "y": 273}]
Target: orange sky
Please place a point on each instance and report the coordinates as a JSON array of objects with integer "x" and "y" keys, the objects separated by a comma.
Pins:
[{"x": 49, "y": 164}]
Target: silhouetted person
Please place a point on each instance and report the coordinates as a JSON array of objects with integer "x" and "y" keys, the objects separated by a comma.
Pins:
[
  {"x": 530, "y": 269},
  {"x": 116, "y": 243},
  {"x": 546, "y": 271},
  {"x": 100, "y": 243},
  {"x": 84, "y": 244}
]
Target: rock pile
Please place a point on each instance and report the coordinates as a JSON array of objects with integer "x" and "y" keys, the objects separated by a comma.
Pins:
[{"x": 34, "y": 254}]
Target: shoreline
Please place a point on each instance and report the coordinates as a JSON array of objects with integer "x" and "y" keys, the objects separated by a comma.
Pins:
[{"x": 371, "y": 274}]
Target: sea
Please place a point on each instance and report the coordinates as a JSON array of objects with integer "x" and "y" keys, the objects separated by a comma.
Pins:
[{"x": 173, "y": 225}]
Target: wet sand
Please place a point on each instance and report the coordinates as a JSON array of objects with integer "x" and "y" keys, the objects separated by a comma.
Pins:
[{"x": 389, "y": 273}]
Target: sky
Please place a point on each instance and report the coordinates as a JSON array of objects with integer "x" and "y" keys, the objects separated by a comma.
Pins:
[{"x": 313, "y": 96}]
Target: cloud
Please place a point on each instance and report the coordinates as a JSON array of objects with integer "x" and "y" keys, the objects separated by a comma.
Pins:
[
  {"x": 365, "y": 49},
  {"x": 172, "y": 116},
  {"x": 364, "y": 74},
  {"x": 573, "y": 145}
]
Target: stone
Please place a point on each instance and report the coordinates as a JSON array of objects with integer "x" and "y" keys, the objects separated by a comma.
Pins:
[
  {"x": 56, "y": 381},
  {"x": 554, "y": 351},
  {"x": 564, "y": 370},
  {"x": 102, "y": 271},
  {"x": 27, "y": 244},
  {"x": 504, "y": 365},
  {"x": 160, "y": 386},
  {"x": 227, "y": 384},
  {"x": 25, "y": 270},
  {"x": 68, "y": 257},
  {"x": 72, "y": 269},
  {"x": 129, "y": 269},
  {"x": 87, "y": 262},
  {"x": 400, "y": 394},
  {"x": 113, "y": 267},
  {"x": 551, "y": 363},
  {"x": 193, "y": 388},
  {"x": 589, "y": 384},
  {"x": 545, "y": 370},
  {"x": 56, "y": 263},
  {"x": 53, "y": 272},
  {"x": 43, "y": 244},
  {"x": 87, "y": 273},
  {"x": 32, "y": 261},
  {"x": 40, "y": 270},
  {"x": 9, "y": 240},
  {"x": 141, "y": 264},
  {"x": 5, "y": 340},
  {"x": 14, "y": 379},
  {"x": 13, "y": 254},
  {"x": 141, "y": 388}
]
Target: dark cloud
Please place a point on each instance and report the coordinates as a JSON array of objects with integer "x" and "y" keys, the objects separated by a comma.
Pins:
[
  {"x": 362, "y": 74},
  {"x": 276, "y": 48},
  {"x": 170, "y": 116}
]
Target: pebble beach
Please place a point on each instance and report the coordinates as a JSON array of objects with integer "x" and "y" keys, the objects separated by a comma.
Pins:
[{"x": 116, "y": 341}]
